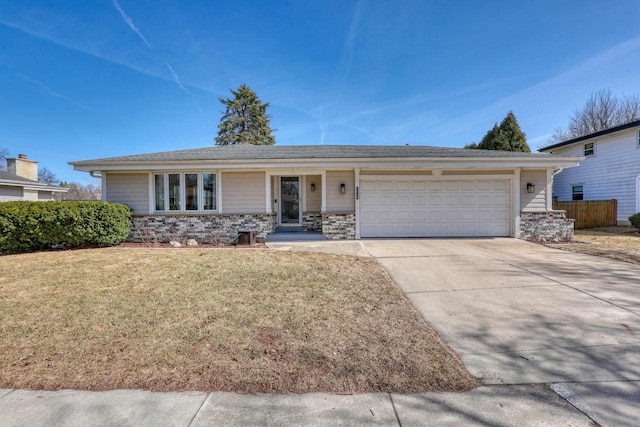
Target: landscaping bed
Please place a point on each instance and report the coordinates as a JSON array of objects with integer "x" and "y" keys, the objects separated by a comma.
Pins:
[
  {"x": 616, "y": 242},
  {"x": 214, "y": 319}
]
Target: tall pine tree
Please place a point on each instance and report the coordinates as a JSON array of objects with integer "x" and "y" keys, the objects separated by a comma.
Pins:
[
  {"x": 506, "y": 137},
  {"x": 245, "y": 120}
]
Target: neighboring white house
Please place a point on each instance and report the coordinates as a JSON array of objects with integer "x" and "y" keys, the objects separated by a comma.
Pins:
[
  {"x": 20, "y": 182},
  {"x": 610, "y": 170}
]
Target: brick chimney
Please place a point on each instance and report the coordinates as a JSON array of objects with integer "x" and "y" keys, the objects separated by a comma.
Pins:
[{"x": 23, "y": 167}]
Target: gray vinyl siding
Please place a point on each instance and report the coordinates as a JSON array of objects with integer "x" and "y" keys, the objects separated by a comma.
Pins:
[
  {"x": 611, "y": 173},
  {"x": 131, "y": 189},
  {"x": 9, "y": 193},
  {"x": 314, "y": 198},
  {"x": 243, "y": 192},
  {"x": 536, "y": 201},
  {"x": 337, "y": 202}
]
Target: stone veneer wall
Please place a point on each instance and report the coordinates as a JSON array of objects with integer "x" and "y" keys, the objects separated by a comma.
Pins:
[
  {"x": 550, "y": 226},
  {"x": 312, "y": 221},
  {"x": 339, "y": 225},
  {"x": 212, "y": 228}
]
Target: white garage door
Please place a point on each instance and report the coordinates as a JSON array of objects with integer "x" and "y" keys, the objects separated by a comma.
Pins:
[{"x": 409, "y": 207}]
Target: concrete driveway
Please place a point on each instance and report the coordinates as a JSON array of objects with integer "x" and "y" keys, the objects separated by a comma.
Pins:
[{"x": 521, "y": 313}]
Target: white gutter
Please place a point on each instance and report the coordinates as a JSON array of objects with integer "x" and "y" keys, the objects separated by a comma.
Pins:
[{"x": 429, "y": 163}]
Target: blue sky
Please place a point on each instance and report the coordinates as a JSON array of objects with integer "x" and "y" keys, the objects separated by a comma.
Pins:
[{"x": 83, "y": 79}]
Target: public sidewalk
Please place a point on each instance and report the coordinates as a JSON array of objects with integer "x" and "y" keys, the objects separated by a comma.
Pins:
[{"x": 521, "y": 405}]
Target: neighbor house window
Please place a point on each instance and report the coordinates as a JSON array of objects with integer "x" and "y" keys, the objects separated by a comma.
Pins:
[
  {"x": 638, "y": 138},
  {"x": 184, "y": 191},
  {"x": 589, "y": 149},
  {"x": 577, "y": 192}
]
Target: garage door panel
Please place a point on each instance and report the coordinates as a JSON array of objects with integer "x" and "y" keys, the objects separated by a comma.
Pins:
[
  {"x": 451, "y": 185},
  {"x": 435, "y": 200},
  {"x": 402, "y": 201},
  {"x": 468, "y": 185},
  {"x": 403, "y": 186},
  {"x": 419, "y": 216},
  {"x": 418, "y": 185},
  {"x": 501, "y": 185},
  {"x": 419, "y": 201},
  {"x": 426, "y": 208},
  {"x": 386, "y": 200}
]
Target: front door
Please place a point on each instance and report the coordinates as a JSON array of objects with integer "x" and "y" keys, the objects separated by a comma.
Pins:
[{"x": 290, "y": 200}]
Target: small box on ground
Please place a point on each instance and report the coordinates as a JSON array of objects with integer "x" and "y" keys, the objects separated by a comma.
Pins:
[{"x": 246, "y": 237}]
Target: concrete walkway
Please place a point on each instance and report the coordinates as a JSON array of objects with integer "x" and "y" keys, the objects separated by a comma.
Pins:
[
  {"x": 493, "y": 405},
  {"x": 555, "y": 337}
]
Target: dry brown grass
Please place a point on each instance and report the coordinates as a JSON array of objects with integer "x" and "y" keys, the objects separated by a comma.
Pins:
[
  {"x": 621, "y": 243},
  {"x": 214, "y": 319}
]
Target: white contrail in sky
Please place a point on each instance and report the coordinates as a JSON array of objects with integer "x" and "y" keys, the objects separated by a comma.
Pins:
[
  {"x": 176, "y": 79},
  {"x": 129, "y": 22},
  {"x": 49, "y": 90},
  {"x": 127, "y": 19}
]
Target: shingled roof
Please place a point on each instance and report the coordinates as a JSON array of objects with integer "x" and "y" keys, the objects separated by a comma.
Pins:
[
  {"x": 10, "y": 179},
  {"x": 293, "y": 152},
  {"x": 4, "y": 175}
]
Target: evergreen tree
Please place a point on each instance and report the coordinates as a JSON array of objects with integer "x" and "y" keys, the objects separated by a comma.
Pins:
[
  {"x": 245, "y": 120},
  {"x": 506, "y": 137}
]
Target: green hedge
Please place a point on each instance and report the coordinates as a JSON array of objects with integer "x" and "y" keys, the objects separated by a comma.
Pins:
[
  {"x": 31, "y": 226},
  {"x": 635, "y": 220}
]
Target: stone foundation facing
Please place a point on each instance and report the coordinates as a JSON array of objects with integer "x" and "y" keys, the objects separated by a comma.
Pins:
[
  {"x": 339, "y": 225},
  {"x": 214, "y": 228},
  {"x": 551, "y": 226},
  {"x": 312, "y": 221}
]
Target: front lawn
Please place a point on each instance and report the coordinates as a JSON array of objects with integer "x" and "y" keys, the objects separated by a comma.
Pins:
[{"x": 214, "y": 319}]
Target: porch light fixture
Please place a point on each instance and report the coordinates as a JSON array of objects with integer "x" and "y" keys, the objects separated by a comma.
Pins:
[
  {"x": 313, "y": 186},
  {"x": 531, "y": 188},
  {"x": 343, "y": 188}
]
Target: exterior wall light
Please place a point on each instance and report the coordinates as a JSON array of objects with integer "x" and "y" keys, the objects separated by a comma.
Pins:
[
  {"x": 313, "y": 186},
  {"x": 343, "y": 188},
  {"x": 531, "y": 188}
]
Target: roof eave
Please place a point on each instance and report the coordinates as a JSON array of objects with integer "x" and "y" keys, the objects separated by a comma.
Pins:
[
  {"x": 33, "y": 186},
  {"x": 552, "y": 161}
]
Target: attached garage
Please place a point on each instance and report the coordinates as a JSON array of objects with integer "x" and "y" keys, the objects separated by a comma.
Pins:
[{"x": 419, "y": 206}]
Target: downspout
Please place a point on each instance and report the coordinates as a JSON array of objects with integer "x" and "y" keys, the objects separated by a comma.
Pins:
[
  {"x": 553, "y": 174},
  {"x": 95, "y": 174}
]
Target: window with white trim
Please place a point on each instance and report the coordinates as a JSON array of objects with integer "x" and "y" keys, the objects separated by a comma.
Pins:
[
  {"x": 184, "y": 192},
  {"x": 577, "y": 192},
  {"x": 589, "y": 149}
]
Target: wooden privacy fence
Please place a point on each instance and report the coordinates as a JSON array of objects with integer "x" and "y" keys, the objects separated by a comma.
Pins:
[{"x": 590, "y": 213}]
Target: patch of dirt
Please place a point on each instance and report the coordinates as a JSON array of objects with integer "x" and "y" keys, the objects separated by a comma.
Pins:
[{"x": 621, "y": 243}]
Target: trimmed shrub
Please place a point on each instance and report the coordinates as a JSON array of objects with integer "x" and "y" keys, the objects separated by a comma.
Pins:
[
  {"x": 31, "y": 226},
  {"x": 635, "y": 220}
]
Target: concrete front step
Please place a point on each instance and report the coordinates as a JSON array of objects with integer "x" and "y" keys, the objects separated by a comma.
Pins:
[{"x": 302, "y": 236}]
